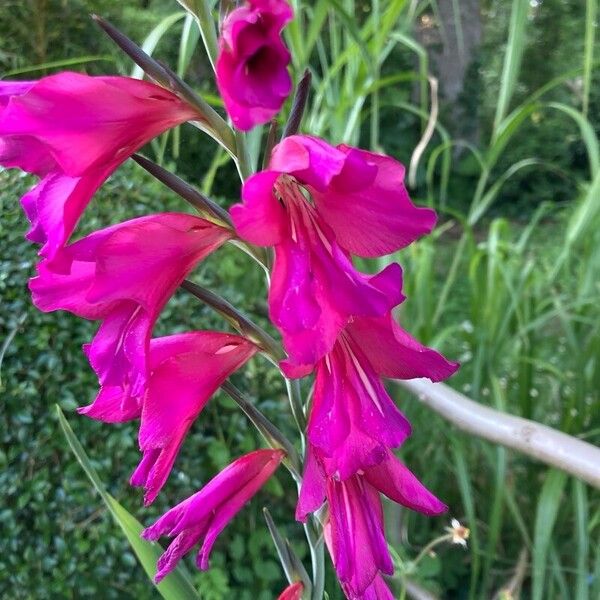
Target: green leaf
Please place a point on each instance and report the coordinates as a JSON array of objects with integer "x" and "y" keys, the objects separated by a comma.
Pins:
[
  {"x": 154, "y": 37},
  {"x": 545, "y": 518},
  {"x": 512, "y": 58},
  {"x": 177, "y": 585}
]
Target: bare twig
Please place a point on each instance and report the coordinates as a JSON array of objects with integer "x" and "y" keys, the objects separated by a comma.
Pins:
[
  {"x": 427, "y": 134},
  {"x": 552, "y": 447}
]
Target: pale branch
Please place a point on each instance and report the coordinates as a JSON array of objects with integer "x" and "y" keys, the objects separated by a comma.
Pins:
[{"x": 572, "y": 455}]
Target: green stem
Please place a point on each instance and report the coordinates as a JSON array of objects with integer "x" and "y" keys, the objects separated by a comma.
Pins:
[
  {"x": 429, "y": 547},
  {"x": 295, "y": 396},
  {"x": 206, "y": 25},
  {"x": 242, "y": 158},
  {"x": 317, "y": 559}
]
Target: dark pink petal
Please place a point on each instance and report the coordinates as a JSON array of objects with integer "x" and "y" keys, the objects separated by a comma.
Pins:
[
  {"x": 180, "y": 546},
  {"x": 74, "y": 131},
  {"x": 378, "y": 590},
  {"x": 394, "y": 480},
  {"x": 369, "y": 208},
  {"x": 251, "y": 68},
  {"x": 310, "y": 160},
  {"x": 261, "y": 219},
  {"x": 178, "y": 389},
  {"x": 28, "y": 154},
  {"x": 112, "y": 405},
  {"x": 394, "y": 353},
  {"x": 118, "y": 351},
  {"x": 124, "y": 275},
  {"x": 207, "y": 512},
  {"x": 314, "y": 488},
  {"x": 59, "y": 202},
  {"x": 358, "y": 542},
  {"x": 13, "y": 88},
  {"x": 294, "y": 591},
  {"x": 315, "y": 289},
  {"x": 353, "y": 421},
  {"x": 89, "y": 122}
]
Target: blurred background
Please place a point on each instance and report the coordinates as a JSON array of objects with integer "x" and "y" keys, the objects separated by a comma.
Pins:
[{"x": 494, "y": 106}]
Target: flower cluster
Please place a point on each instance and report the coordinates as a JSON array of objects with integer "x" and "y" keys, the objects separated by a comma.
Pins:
[
  {"x": 73, "y": 131},
  {"x": 317, "y": 206}
]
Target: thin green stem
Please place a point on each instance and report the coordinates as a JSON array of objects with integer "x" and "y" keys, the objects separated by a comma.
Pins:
[
  {"x": 429, "y": 547},
  {"x": 317, "y": 558},
  {"x": 242, "y": 158},
  {"x": 295, "y": 396},
  {"x": 206, "y": 24}
]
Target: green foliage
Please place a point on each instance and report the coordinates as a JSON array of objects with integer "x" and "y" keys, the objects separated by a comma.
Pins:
[
  {"x": 515, "y": 299},
  {"x": 55, "y": 530}
]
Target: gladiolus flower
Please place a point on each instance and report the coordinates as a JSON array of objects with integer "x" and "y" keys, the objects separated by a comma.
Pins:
[
  {"x": 357, "y": 537},
  {"x": 353, "y": 421},
  {"x": 292, "y": 592},
  {"x": 315, "y": 289},
  {"x": 204, "y": 515},
  {"x": 123, "y": 275},
  {"x": 73, "y": 131},
  {"x": 186, "y": 370},
  {"x": 252, "y": 73},
  {"x": 316, "y": 204}
]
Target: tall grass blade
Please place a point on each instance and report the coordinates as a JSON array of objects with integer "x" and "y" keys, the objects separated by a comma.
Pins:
[
  {"x": 58, "y": 64},
  {"x": 547, "y": 509},
  {"x": 586, "y": 215},
  {"x": 154, "y": 37},
  {"x": 466, "y": 492},
  {"x": 512, "y": 58},
  {"x": 591, "y": 14},
  {"x": 177, "y": 585},
  {"x": 580, "y": 501}
]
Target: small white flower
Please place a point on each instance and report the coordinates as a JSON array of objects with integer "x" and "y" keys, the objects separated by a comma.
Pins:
[{"x": 460, "y": 534}]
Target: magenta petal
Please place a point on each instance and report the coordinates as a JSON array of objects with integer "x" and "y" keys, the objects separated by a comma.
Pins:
[
  {"x": 180, "y": 546},
  {"x": 378, "y": 590},
  {"x": 88, "y": 122},
  {"x": 310, "y": 160},
  {"x": 313, "y": 490},
  {"x": 315, "y": 289},
  {"x": 353, "y": 421},
  {"x": 377, "y": 217},
  {"x": 251, "y": 67},
  {"x": 358, "y": 542},
  {"x": 394, "y": 353},
  {"x": 112, "y": 405},
  {"x": 394, "y": 480},
  {"x": 293, "y": 591},
  {"x": 179, "y": 388},
  {"x": 261, "y": 219},
  {"x": 207, "y": 512},
  {"x": 124, "y": 275},
  {"x": 13, "y": 88},
  {"x": 74, "y": 131}
]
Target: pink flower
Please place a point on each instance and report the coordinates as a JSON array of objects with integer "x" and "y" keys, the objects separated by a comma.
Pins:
[
  {"x": 315, "y": 289},
  {"x": 123, "y": 275},
  {"x": 316, "y": 204},
  {"x": 353, "y": 421},
  {"x": 73, "y": 131},
  {"x": 357, "y": 537},
  {"x": 205, "y": 514},
  {"x": 185, "y": 371},
  {"x": 252, "y": 73},
  {"x": 292, "y": 592}
]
